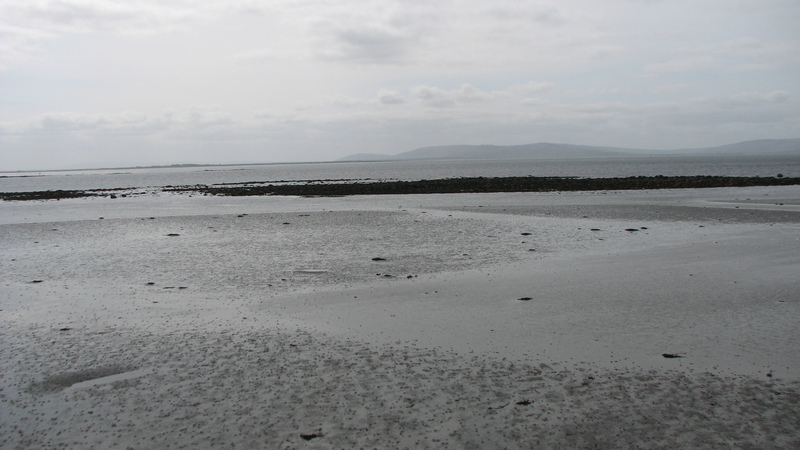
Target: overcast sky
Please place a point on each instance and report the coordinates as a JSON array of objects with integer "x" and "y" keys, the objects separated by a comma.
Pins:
[{"x": 105, "y": 83}]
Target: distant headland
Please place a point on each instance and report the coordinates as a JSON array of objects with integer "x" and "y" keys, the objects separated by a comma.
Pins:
[{"x": 546, "y": 150}]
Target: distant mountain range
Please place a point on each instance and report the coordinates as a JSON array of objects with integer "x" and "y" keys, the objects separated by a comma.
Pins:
[{"x": 545, "y": 150}]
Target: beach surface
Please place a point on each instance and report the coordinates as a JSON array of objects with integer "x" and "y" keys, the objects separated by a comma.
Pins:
[{"x": 646, "y": 318}]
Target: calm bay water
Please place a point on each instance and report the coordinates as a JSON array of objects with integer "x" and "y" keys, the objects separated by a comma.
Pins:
[{"x": 398, "y": 170}]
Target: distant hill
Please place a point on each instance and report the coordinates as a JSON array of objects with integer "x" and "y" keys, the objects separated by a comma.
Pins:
[
  {"x": 545, "y": 150},
  {"x": 759, "y": 147}
]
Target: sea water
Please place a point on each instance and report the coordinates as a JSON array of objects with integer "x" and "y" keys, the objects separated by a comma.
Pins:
[{"x": 158, "y": 177}]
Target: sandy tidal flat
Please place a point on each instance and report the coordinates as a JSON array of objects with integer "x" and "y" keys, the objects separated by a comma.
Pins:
[{"x": 466, "y": 320}]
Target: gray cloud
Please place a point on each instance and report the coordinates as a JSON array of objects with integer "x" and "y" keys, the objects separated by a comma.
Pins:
[
  {"x": 541, "y": 15},
  {"x": 389, "y": 97},
  {"x": 373, "y": 45},
  {"x": 144, "y": 16},
  {"x": 441, "y": 98},
  {"x": 321, "y": 77}
]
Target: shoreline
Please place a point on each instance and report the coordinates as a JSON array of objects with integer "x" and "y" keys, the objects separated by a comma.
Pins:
[{"x": 322, "y": 188}]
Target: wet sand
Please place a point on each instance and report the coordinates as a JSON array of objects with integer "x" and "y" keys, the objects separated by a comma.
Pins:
[{"x": 464, "y": 320}]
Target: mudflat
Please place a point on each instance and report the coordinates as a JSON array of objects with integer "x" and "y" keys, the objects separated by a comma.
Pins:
[{"x": 652, "y": 318}]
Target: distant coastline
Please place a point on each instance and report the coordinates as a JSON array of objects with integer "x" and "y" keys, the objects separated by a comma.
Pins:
[
  {"x": 547, "y": 150},
  {"x": 538, "y": 151}
]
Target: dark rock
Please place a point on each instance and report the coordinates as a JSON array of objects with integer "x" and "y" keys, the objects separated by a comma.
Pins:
[
  {"x": 671, "y": 355},
  {"x": 64, "y": 329},
  {"x": 631, "y": 229},
  {"x": 526, "y": 234},
  {"x": 173, "y": 235},
  {"x": 379, "y": 259},
  {"x": 499, "y": 184},
  {"x": 449, "y": 185},
  {"x": 309, "y": 437},
  {"x": 524, "y": 403},
  {"x": 525, "y": 299},
  {"x": 37, "y": 281}
]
